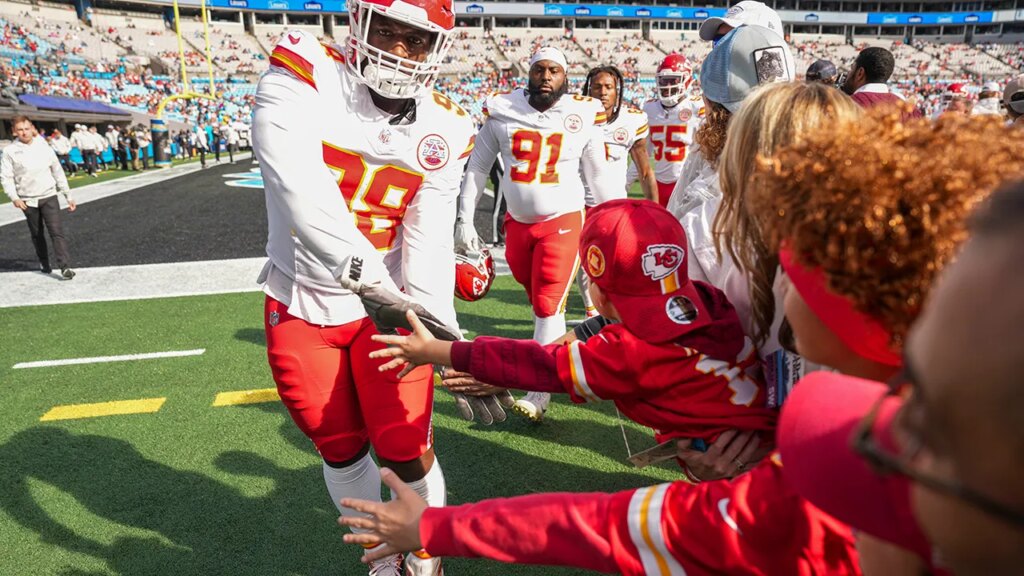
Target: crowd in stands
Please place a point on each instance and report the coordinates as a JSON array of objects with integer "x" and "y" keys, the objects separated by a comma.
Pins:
[{"x": 45, "y": 56}]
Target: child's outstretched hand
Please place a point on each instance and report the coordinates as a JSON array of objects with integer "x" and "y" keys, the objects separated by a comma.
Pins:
[{"x": 413, "y": 350}]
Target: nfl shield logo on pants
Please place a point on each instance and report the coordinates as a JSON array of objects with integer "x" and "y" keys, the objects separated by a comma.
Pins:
[{"x": 274, "y": 319}]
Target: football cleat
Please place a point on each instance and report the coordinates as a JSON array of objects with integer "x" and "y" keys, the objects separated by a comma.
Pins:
[
  {"x": 533, "y": 405},
  {"x": 474, "y": 274},
  {"x": 390, "y": 566},
  {"x": 422, "y": 564},
  {"x": 674, "y": 77}
]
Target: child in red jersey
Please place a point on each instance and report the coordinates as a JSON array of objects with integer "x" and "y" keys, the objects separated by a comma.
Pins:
[{"x": 676, "y": 361}]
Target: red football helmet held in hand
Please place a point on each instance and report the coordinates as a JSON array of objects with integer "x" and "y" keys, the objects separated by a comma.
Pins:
[{"x": 474, "y": 274}]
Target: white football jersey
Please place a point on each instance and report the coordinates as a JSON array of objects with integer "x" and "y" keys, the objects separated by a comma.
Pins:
[
  {"x": 628, "y": 128},
  {"x": 672, "y": 131},
  {"x": 542, "y": 152},
  {"x": 346, "y": 181}
]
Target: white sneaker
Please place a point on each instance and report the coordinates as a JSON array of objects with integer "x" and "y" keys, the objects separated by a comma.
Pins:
[
  {"x": 390, "y": 566},
  {"x": 416, "y": 566},
  {"x": 533, "y": 405}
]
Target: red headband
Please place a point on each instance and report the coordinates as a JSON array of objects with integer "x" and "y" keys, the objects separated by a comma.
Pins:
[{"x": 861, "y": 333}]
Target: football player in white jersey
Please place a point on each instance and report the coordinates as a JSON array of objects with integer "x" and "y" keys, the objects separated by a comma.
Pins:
[
  {"x": 673, "y": 118},
  {"x": 361, "y": 163},
  {"x": 545, "y": 138},
  {"x": 625, "y": 139}
]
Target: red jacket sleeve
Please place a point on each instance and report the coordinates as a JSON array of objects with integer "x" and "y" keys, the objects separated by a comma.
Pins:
[
  {"x": 588, "y": 371},
  {"x": 549, "y": 529},
  {"x": 753, "y": 525}
]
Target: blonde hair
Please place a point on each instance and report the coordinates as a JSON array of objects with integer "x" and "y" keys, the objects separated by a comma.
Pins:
[
  {"x": 774, "y": 116},
  {"x": 881, "y": 205}
]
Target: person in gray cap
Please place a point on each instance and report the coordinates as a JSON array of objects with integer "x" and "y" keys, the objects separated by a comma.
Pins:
[
  {"x": 822, "y": 71},
  {"x": 1013, "y": 99},
  {"x": 742, "y": 60}
]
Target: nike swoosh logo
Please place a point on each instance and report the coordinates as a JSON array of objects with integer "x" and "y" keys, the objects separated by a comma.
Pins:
[
  {"x": 723, "y": 509},
  {"x": 564, "y": 231},
  {"x": 293, "y": 39}
]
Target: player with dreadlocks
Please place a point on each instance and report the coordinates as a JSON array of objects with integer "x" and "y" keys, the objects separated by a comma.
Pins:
[{"x": 625, "y": 138}]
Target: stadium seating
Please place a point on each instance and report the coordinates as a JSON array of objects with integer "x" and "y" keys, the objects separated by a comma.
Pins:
[{"x": 45, "y": 49}]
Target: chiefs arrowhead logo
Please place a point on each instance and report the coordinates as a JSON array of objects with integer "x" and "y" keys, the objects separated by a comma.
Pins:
[
  {"x": 433, "y": 152},
  {"x": 595, "y": 261},
  {"x": 661, "y": 260}
]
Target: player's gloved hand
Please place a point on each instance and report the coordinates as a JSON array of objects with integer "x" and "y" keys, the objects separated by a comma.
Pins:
[
  {"x": 467, "y": 241},
  {"x": 387, "y": 309},
  {"x": 475, "y": 399}
]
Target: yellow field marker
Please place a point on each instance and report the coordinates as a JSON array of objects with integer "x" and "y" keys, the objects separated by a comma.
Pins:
[
  {"x": 246, "y": 397},
  {"x": 74, "y": 411}
]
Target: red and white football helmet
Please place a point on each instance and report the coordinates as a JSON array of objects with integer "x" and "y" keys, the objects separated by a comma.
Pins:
[
  {"x": 474, "y": 274},
  {"x": 674, "y": 77},
  {"x": 389, "y": 75}
]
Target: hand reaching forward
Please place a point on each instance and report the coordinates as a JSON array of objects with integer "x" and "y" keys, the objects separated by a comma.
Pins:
[
  {"x": 413, "y": 350},
  {"x": 396, "y": 524}
]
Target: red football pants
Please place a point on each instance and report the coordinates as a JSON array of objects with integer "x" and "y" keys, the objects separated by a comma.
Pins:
[
  {"x": 665, "y": 192},
  {"x": 335, "y": 394},
  {"x": 543, "y": 257}
]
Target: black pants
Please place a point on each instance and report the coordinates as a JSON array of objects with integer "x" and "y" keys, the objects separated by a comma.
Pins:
[
  {"x": 48, "y": 214},
  {"x": 232, "y": 148},
  {"x": 89, "y": 158},
  {"x": 216, "y": 150},
  {"x": 121, "y": 157},
  {"x": 65, "y": 161}
]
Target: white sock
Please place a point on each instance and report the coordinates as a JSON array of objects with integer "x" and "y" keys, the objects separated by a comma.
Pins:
[
  {"x": 583, "y": 281},
  {"x": 547, "y": 330},
  {"x": 360, "y": 480},
  {"x": 431, "y": 487}
]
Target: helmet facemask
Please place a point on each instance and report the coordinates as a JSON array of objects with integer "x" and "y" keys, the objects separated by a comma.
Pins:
[
  {"x": 388, "y": 75},
  {"x": 671, "y": 88}
]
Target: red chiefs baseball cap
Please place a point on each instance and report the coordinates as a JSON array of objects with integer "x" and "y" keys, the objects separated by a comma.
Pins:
[
  {"x": 814, "y": 438},
  {"x": 635, "y": 251}
]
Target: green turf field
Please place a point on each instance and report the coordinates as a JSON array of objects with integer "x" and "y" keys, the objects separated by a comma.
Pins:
[{"x": 197, "y": 489}]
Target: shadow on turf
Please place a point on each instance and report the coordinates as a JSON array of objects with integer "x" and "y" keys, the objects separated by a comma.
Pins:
[
  {"x": 252, "y": 335},
  {"x": 207, "y": 527}
]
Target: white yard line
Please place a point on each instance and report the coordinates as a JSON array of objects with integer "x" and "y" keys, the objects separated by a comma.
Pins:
[
  {"x": 101, "y": 359},
  {"x": 112, "y": 283},
  {"x": 145, "y": 281},
  {"x": 85, "y": 194}
]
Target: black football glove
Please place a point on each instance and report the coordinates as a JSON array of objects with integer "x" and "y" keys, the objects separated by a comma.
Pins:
[
  {"x": 387, "y": 309},
  {"x": 490, "y": 409}
]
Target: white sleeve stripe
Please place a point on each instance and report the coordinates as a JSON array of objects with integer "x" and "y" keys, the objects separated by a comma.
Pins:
[
  {"x": 645, "y": 511},
  {"x": 579, "y": 377}
]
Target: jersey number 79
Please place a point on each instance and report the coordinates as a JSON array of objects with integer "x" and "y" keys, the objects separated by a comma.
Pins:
[{"x": 377, "y": 200}]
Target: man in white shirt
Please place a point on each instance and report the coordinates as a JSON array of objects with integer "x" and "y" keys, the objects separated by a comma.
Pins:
[
  {"x": 101, "y": 146},
  {"x": 62, "y": 148},
  {"x": 112, "y": 137},
  {"x": 86, "y": 146},
  {"x": 31, "y": 175}
]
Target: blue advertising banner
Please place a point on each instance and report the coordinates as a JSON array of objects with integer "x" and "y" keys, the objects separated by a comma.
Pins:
[
  {"x": 612, "y": 11},
  {"x": 335, "y": 6},
  {"x": 911, "y": 18}
]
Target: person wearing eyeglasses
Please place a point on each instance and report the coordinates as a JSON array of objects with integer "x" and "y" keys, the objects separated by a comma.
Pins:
[{"x": 853, "y": 298}]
